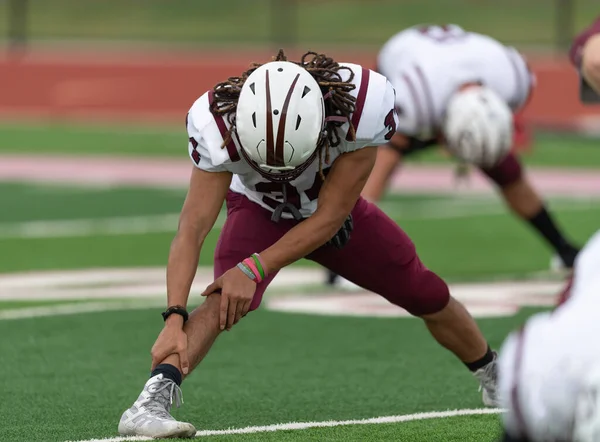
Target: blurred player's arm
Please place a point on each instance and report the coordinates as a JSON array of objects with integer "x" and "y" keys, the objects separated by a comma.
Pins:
[
  {"x": 202, "y": 205},
  {"x": 388, "y": 156},
  {"x": 341, "y": 189}
]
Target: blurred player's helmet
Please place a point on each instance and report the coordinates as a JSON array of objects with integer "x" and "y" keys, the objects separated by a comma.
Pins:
[
  {"x": 586, "y": 425},
  {"x": 478, "y": 126},
  {"x": 280, "y": 120}
]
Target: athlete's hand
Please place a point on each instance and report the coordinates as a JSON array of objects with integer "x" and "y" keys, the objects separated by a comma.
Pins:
[
  {"x": 171, "y": 340},
  {"x": 237, "y": 291}
]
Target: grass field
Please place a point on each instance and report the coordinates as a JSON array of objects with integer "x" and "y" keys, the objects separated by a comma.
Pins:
[
  {"x": 70, "y": 371},
  {"x": 252, "y": 22}
]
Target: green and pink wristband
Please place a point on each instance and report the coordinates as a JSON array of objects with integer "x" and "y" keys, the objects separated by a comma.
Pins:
[{"x": 253, "y": 268}]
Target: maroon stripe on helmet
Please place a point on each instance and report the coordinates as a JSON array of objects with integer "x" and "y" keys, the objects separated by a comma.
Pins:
[
  {"x": 231, "y": 148},
  {"x": 281, "y": 129},
  {"x": 360, "y": 102},
  {"x": 270, "y": 145}
]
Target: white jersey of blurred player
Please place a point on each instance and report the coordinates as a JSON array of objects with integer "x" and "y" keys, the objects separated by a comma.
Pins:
[
  {"x": 374, "y": 122},
  {"x": 428, "y": 64},
  {"x": 543, "y": 367}
]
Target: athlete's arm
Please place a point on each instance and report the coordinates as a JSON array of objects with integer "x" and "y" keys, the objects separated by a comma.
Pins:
[
  {"x": 202, "y": 204},
  {"x": 337, "y": 197}
]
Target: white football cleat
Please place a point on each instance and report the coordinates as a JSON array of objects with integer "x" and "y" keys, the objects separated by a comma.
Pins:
[
  {"x": 488, "y": 383},
  {"x": 149, "y": 415}
]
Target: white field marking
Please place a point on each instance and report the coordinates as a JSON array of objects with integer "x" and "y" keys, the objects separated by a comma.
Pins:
[
  {"x": 482, "y": 300},
  {"x": 146, "y": 283},
  {"x": 139, "y": 225},
  {"x": 326, "y": 424},
  {"x": 130, "y": 287},
  {"x": 76, "y": 308}
]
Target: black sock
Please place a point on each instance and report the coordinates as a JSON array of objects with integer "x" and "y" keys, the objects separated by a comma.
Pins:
[
  {"x": 482, "y": 362},
  {"x": 544, "y": 224},
  {"x": 168, "y": 371},
  {"x": 331, "y": 277}
]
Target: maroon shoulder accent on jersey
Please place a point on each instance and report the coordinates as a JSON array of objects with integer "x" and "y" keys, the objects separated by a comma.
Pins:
[
  {"x": 575, "y": 53},
  {"x": 281, "y": 128},
  {"x": 231, "y": 149},
  {"x": 360, "y": 101}
]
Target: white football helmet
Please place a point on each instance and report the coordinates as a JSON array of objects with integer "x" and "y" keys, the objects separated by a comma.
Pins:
[
  {"x": 478, "y": 126},
  {"x": 280, "y": 120}
]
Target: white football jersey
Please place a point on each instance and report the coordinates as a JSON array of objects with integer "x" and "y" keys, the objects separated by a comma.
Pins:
[
  {"x": 541, "y": 367},
  {"x": 427, "y": 64},
  {"x": 374, "y": 120}
]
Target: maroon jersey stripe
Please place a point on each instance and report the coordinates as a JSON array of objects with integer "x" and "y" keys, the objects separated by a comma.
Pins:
[
  {"x": 281, "y": 128},
  {"x": 360, "y": 102},
  {"x": 231, "y": 149}
]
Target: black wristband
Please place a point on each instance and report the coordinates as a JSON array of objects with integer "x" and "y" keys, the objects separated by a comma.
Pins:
[{"x": 178, "y": 310}]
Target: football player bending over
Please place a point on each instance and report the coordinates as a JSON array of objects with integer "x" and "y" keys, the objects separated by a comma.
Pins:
[
  {"x": 550, "y": 369},
  {"x": 289, "y": 146},
  {"x": 435, "y": 69}
]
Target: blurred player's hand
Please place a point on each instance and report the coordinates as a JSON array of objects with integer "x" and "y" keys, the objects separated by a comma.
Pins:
[
  {"x": 171, "y": 340},
  {"x": 237, "y": 291}
]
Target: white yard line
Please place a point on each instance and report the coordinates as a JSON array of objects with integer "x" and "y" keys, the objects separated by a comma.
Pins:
[
  {"x": 165, "y": 223},
  {"x": 125, "y": 225},
  {"x": 76, "y": 308},
  {"x": 326, "y": 424}
]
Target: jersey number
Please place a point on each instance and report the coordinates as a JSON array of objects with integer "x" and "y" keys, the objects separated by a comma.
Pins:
[
  {"x": 390, "y": 124},
  {"x": 293, "y": 196}
]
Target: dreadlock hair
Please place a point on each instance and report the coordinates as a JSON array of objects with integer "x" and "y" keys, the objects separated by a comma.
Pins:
[{"x": 326, "y": 72}]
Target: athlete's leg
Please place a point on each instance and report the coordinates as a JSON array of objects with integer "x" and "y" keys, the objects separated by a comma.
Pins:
[
  {"x": 526, "y": 203},
  {"x": 248, "y": 229},
  {"x": 381, "y": 258}
]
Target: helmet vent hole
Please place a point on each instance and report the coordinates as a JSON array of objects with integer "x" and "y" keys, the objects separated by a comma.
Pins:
[
  {"x": 305, "y": 91},
  {"x": 252, "y": 88},
  {"x": 298, "y": 120},
  {"x": 254, "y": 119},
  {"x": 280, "y": 70},
  {"x": 275, "y": 112}
]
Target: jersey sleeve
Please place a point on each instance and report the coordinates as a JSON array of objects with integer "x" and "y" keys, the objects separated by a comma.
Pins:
[
  {"x": 204, "y": 142},
  {"x": 378, "y": 119}
]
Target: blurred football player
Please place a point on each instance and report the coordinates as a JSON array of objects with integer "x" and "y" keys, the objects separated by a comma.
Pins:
[
  {"x": 453, "y": 88},
  {"x": 585, "y": 55},
  {"x": 550, "y": 369},
  {"x": 289, "y": 146}
]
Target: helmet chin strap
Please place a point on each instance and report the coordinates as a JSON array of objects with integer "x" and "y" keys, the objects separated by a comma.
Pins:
[{"x": 285, "y": 205}]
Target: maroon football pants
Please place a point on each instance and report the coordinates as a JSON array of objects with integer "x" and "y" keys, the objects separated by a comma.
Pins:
[{"x": 379, "y": 257}]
